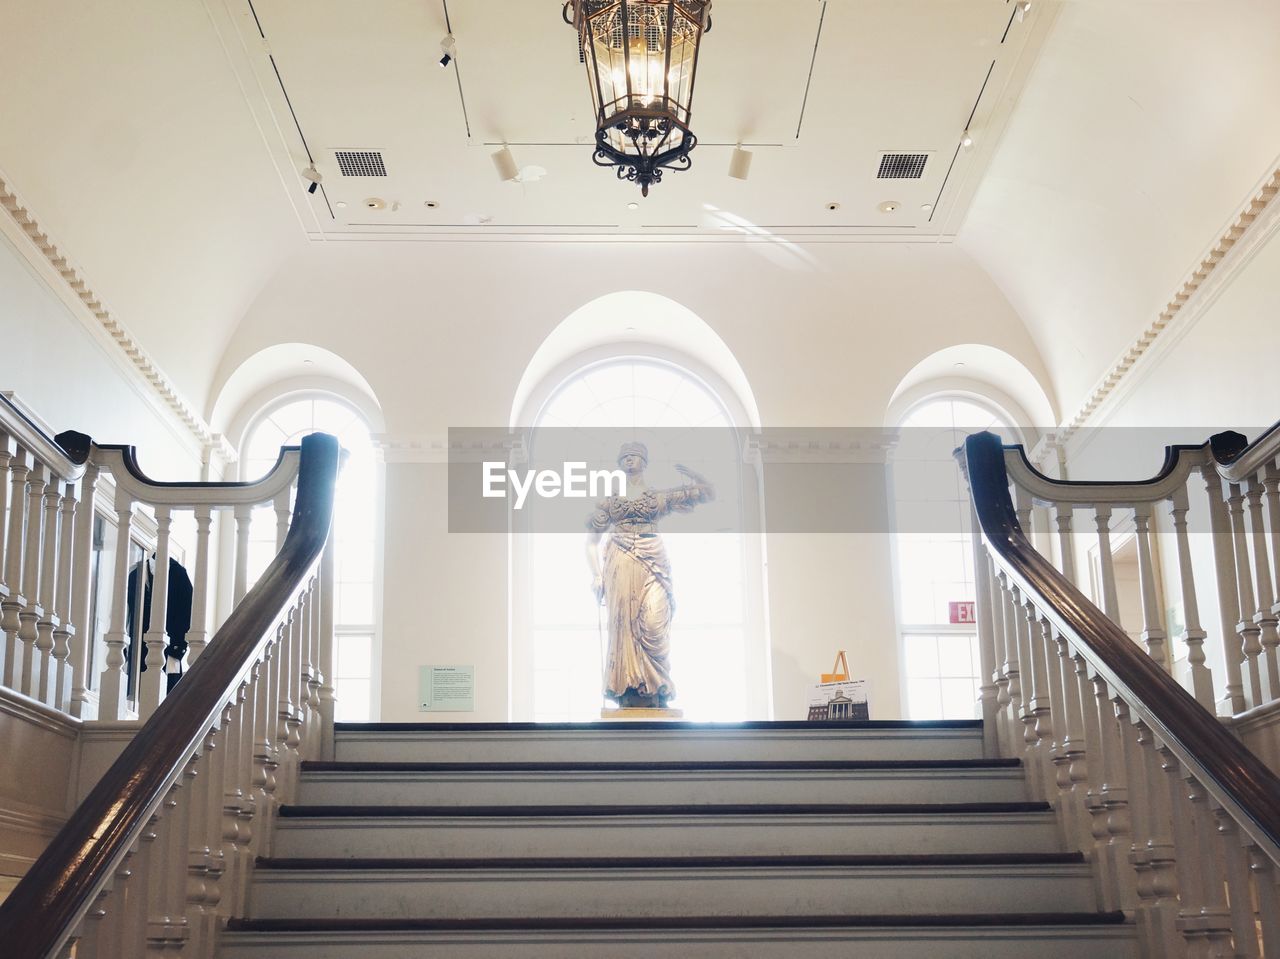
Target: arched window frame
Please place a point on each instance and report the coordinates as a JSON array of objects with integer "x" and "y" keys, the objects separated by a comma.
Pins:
[
  {"x": 1011, "y": 418},
  {"x": 260, "y": 409},
  {"x": 520, "y": 648}
]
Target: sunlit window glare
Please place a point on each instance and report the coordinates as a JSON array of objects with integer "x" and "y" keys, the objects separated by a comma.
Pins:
[
  {"x": 935, "y": 559},
  {"x": 355, "y": 512},
  {"x": 708, "y": 644}
]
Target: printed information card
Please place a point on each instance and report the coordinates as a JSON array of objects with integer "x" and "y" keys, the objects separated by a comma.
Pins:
[{"x": 446, "y": 689}]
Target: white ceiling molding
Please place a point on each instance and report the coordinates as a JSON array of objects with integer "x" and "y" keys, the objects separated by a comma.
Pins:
[
  {"x": 1256, "y": 221},
  {"x": 140, "y": 363}
]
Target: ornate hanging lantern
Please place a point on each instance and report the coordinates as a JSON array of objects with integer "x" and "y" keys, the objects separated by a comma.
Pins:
[{"x": 642, "y": 58}]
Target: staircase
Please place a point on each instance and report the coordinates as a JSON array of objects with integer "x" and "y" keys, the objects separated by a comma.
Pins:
[{"x": 794, "y": 840}]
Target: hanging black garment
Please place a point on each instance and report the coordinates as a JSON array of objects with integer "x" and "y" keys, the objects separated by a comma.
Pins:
[{"x": 177, "y": 619}]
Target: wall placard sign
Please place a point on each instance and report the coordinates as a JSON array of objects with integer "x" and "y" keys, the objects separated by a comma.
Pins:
[
  {"x": 446, "y": 689},
  {"x": 963, "y": 612}
]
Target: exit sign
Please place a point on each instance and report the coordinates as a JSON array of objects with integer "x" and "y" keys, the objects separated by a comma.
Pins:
[{"x": 963, "y": 612}]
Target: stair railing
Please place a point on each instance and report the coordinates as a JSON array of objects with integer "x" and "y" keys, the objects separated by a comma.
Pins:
[
  {"x": 159, "y": 851},
  {"x": 1181, "y": 821},
  {"x": 1241, "y": 484},
  {"x": 48, "y": 490}
]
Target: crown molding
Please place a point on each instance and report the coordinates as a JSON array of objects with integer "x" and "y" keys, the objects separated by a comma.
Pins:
[
  {"x": 1254, "y": 224},
  {"x": 92, "y": 310}
]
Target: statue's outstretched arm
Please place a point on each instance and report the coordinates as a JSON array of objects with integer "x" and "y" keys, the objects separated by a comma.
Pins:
[{"x": 698, "y": 481}]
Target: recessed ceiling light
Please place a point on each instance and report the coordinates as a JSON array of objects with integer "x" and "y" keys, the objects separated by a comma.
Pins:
[
  {"x": 375, "y": 203},
  {"x": 926, "y": 207},
  {"x": 959, "y": 365},
  {"x": 431, "y": 204},
  {"x": 633, "y": 205},
  {"x": 341, "y": 204},
  {"x": 833, "y": 206},
  {"x": 889, "y": 206},
  {"x": 308, "y": 362}
]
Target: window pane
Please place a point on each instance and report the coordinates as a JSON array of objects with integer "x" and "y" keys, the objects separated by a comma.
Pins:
[
  {"x": 354, "y": 656},
  {"x": 353, "y": 700}
]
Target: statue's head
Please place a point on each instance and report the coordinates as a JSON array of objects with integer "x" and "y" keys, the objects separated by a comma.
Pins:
[{"x": 638, "y": 453}]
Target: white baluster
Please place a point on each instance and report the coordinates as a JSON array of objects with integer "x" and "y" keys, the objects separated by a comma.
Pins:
[
  {"x": 45, "y": 685},
  {"x": 6, "y": 455},
  {"x": 1115, "y": 796},
  {"x": 1062, "y": 513},
  {"x": 1037, "y": 713},
  {"x": 30, "y": 614},
  {"x": 1215, "y": 917},
  {"x": 1250, "y": 634},
  {"x": 244, "y": 517},
  {"x": 1073, "y": 748},
  {"x": 152, "y": 686},
  {"x": 1139, "y": 821},
  {"x": 1000, "y": 676},
  {"x": 1264, "y": 618},
  {"x": 1013, "y": 668},
  {"x": 82, "y": 576},
  {"x": 1153, "y": 630},
  {"x": 62, "y": 602},
  {"x": 1192, "y": 634},
  {"x": 1271, "y": 485},
  {"x": 1190, "y": 887},
  {"x": 989, "y": 690},
  {"x": 1265, "y": 887},
  {"x": 199, "y": 634},
  {"x": 1106, "y": 563},
  {"x": 282, "y": 517},
  {"x": 13, "y": 604},
  {"x": 1102, "y": 855},
  {"x": 326, "y": 648},
  {"x": 112, "y": 703},
  {"x": 1162, "y": 879},
  {"x": 1244, "y": 932},
  {"x": 1225, "y": 567}
]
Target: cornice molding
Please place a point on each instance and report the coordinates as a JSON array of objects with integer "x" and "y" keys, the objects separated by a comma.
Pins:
[
  {"x": 1255, "y": 223},
  {"x": 145, "y": 368}
]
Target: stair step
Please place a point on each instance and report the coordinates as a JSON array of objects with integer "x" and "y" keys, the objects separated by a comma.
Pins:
[
  {"x": 711, "y": 830},
  {"x": 777, "y": 781},
  {"x": 1056, "y": 935},
  {"x": 657, "y": 741},
  {"x": 729, "y": 886}
]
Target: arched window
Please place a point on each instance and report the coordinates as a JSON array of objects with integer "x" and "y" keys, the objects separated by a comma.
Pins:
[
  {"x": 284, "y": 423},
  {"x": 709, "y": 649},
  {"x": 934, "y": 557}
]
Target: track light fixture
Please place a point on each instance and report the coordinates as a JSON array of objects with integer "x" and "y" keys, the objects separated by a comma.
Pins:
[
  {"x": 966, "y": 140},
  {"x": 449, "y": 47},
  {"x": 1022, "y": 10},
  {"x": 505, "y": 164},
  {"x": 740, "y": 163},
  {"x": 314, "y": 176}
]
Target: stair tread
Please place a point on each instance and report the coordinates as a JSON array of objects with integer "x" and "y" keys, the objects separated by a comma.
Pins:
[
  {"x": 736, "y": 765},
  {"x": 676, "y": 862},
  {"x": 699, "y": 809},
  {"x": 620, "y": 923},
  {"x": 608, "y": 728}
]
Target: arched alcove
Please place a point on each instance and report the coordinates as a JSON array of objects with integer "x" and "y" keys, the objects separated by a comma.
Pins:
[{"x": 650, "y": 363}]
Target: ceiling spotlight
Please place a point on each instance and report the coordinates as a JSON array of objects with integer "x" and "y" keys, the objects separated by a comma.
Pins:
[
  {"x": 889, "y": 206},
  {"x": 449, "y": 47},
  {"x": 833, "y": 206},
  {"x": 633, "y": 205},
  {"x": 926, "y": 207},
  {"x": 966, "y": 140},
  {"x": 740, "y": 163},
  {"x": 505, "y": 164},
  {"x": 1022, "y": 10},
  {"x": 431, "y": 204},
  {"x": 313, "y": 175}
]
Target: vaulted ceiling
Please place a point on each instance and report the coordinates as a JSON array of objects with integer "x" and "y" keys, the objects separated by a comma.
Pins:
[{"x": 161, "y": 142}]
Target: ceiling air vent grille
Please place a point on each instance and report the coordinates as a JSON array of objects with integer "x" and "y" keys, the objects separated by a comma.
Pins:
[
  {"x": 902, "y": 166},
  {"x": 360, "y": 162}
]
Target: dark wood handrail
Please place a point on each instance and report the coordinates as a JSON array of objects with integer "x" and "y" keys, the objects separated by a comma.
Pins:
[
  {"x": 1219, "y": 760},
  {"x": 60, "y": 886}
]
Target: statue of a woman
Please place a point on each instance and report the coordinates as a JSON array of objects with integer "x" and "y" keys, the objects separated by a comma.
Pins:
[{"x": 635, "y": 585}]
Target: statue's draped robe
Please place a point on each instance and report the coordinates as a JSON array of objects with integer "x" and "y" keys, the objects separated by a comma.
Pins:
[{"x": 637, "y": 589}]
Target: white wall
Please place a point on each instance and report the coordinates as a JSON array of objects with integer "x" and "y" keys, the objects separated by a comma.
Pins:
[
  {"x": 73, "y": 381},
  {"x": 822, "y": 346}
]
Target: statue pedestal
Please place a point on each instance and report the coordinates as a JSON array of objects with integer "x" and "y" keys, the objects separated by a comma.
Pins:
[{"x": 652, "y": 715}]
